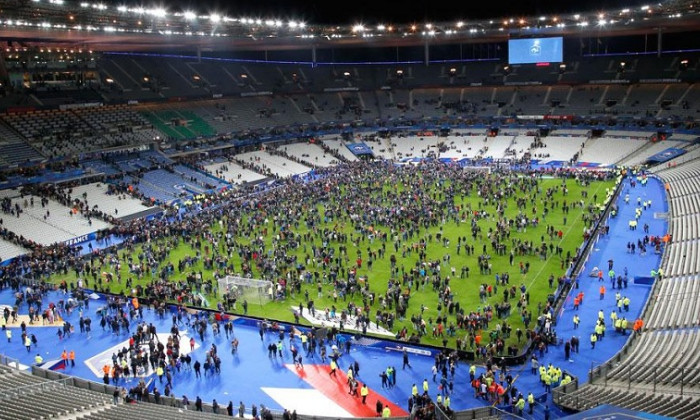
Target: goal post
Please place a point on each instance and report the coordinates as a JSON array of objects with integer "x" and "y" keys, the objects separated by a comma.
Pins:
[{"x": 242, "y": 288}]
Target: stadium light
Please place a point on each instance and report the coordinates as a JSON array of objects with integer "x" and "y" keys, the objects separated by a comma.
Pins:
[
  {"x": 358, "y": 27},
  {"x": 122, "y": 9},
  {"x": 189, "y": 15},
  {"x": 158, "y": 12},
  {"x": 214, "y": 18}
]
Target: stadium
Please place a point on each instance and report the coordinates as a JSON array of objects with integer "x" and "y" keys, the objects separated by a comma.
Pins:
[{"x": 208, "y": 213}]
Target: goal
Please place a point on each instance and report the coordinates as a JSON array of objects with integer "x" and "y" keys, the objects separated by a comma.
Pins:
[{"x": 241, "y": 288}]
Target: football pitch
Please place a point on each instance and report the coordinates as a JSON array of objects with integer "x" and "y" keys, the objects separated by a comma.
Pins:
[{"x": 435, "y": 235}]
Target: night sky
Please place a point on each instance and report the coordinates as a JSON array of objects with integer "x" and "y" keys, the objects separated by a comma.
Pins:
[{"x": 405, "y": 11}]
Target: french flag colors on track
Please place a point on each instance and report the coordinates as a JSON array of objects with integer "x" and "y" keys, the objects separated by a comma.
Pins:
[{"x": 336, "y": 389}]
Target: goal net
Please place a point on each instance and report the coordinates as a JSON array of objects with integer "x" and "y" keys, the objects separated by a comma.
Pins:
[
  {"x": 241, "y": 288},
  {"x": 477, "y": 169}
]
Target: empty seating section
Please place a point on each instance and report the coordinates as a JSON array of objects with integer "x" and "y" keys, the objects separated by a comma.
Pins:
[
  {"x": 277, "y": 165},
  {"x": 310, "y": 154},
  {"x": 171, "y": 184},
  {"x": 148, "y": 411},
  {"x": 58, "y": 133},
  {"x": 232, "y": 172},
  {"x": 201, "y": 179},
  {"x": 415, "y": 147},
  {"x": 50, "y": 223},
  {"x": 684, "y": 201},
  {"x": 495, "y": 147},
  {"x": 24, "y": 396},
  {"x": 340, "y": 147},
  {"x": 14, "y": 149},
  {"x": 650, "y": 150},
  {"x": 381, "y": 147},
  {"x": 177, "y": 123},
  {"x": 466, "y": 146},
  {"x": 10, "y": 250},
  {"x": 609, "y": 150},
  {"x": 521, "y": 145},
  {"x": 649, "y": 362},
  {"x": 671, "y": 405},
  {"x": 558, "y": 148},
  {"x": 676, "y": 304},
  {"x": 117, "y": 205}
]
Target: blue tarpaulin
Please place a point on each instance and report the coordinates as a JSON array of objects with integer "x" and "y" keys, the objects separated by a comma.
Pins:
[
  {"x": 666, "y": 155},
  {"x": 360, "y": 149}
]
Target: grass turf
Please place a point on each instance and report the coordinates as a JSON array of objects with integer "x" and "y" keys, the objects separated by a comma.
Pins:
[{"x": 464, "y": 290}]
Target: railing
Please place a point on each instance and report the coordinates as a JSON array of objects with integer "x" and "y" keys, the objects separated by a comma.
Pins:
[
  {"x": 9, "y": 362},
  {"x": 560, "y": 391},
  {"x": 680, "y": 380},
  {"x": 47, "y": 386}
]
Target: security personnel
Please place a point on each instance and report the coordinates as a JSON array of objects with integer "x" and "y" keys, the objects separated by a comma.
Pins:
[
  {"x": 530, "y": 402},
  {"x": 364, "y": 392},
  {"x": 414, "y": 390},
  {"x": 38, "y": 359},
  {"x": 425, "y": 385},
  {"x": 446, "y": 403},
  {"x": 520, "y": 405},
  {"x": 472, "y": 372},
  {"x": 547, "y": 383},
  {"x": 594, "y": 338},
  {"x": 543, "y": 371},
  {"x": 386, "y": 413}
]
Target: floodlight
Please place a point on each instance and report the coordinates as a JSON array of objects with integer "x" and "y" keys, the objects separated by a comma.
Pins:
[{"x": 189, "y": 15}]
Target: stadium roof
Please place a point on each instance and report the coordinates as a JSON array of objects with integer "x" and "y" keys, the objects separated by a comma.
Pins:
[{"x": 102, "y": 26}]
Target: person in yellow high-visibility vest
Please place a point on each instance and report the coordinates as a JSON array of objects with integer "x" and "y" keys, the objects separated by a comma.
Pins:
[
  {"x": 414, "y": 390},
  {"x": 386, "y": 413},
  {"x": 520, "y": 405},
  {"x": 364, "y": 392},
  {"x": 38, "y": 359}
]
